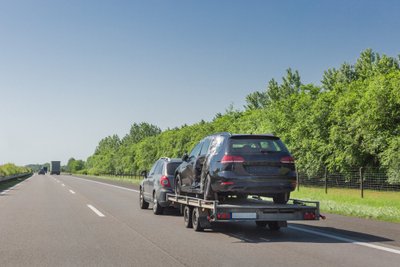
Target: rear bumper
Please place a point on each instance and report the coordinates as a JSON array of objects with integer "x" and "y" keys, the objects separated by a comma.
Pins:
[
  {"x": 227, "y": 182},
  {"x": 162, "y": 197}
]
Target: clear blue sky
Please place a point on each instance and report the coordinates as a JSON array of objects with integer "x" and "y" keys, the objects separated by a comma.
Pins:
[{"x": 73, "y": 72}]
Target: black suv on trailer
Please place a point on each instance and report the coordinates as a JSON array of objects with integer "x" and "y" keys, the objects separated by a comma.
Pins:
[{"x": 237, "y": 164}]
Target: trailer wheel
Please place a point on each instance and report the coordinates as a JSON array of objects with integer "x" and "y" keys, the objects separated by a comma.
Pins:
[
  {"x": 261, "y": 224},
  {"x": 274, "y": 226},
  {"x": 196, "y": 220},
  {"x": 187, "y": 216},
  {"x": 143, "y": 204}
]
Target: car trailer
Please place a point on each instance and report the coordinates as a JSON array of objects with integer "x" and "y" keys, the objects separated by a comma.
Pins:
[{"x": 199, "y": 213}]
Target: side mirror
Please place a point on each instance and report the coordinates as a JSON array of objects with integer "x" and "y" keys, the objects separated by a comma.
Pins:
[
  {"x": 185, "y": 157},
  {"x": 143, "y": 174}
]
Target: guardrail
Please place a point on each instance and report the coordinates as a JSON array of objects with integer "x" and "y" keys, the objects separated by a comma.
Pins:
[{"x": 5, "y": 178}]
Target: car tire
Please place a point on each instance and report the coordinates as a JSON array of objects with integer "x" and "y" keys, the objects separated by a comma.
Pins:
[
  {"x": 261, "y": 224},
  {"x": 178, "y": 185},
  {"x": 143, "y": 204},
  {"x": 187, "y": 216},
  {"x": 208, "y": 192},
  {"x": 281, "y": 198},
  {"x": 196, "y": 220},
  {"x": 157, "y": 209}
]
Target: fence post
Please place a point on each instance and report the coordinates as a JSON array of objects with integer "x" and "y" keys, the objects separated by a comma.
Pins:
[
  {"x": 326, "y": 180},
  {"x": 361, "y": 182},
  {"x": 297, "y": 180}
]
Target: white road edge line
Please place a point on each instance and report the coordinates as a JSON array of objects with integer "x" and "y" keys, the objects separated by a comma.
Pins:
[
  {"x": 95, "y": 211},
  {"x": 348, "y": 240},
  {"x": 116, "y": 186},
  {"x": 72, "y": 192},
  {"x": 11, "y": 188},
  {"x": 63, "y": 184}
]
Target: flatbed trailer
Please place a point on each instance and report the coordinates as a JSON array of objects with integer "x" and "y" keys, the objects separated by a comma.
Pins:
[{"x": 199, "y": 213}]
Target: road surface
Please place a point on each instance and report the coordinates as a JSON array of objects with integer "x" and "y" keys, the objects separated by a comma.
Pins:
[{"x": 69, "y": 221}]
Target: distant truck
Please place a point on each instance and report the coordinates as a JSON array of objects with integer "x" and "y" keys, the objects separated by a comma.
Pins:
[{"x": 55, "y": 167}]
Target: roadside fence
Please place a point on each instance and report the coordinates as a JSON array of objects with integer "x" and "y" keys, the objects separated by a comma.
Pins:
[{"x": 361, "y": 178}]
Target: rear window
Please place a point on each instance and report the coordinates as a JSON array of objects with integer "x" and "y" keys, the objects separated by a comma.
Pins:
[
  {"x": 256, "y": 145},
  {"x": 171, "y": 167}
]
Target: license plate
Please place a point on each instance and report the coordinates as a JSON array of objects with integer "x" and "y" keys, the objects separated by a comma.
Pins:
[{"x": 243, "y": 215}]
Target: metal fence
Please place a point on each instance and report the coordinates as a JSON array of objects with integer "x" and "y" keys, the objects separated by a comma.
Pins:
[{"x": 361, "y": 178}]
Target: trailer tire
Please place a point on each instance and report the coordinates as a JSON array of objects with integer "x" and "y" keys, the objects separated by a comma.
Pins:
[
  {"x": 196, "y": 220},
  {"x": 261, "y": 224},
  {"x": 274, "y": 226},
  {"x": 187, "y": 216},
  {"x": 143, "y": 204}
]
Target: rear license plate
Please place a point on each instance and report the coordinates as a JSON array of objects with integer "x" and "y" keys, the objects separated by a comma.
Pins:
[{"x": 244, "y": 215}]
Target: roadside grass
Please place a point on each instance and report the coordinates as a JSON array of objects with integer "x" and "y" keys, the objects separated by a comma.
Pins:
[
  {"x": 10, "y": 183},
  {"x": 125, "y": 179},
  {"x": 378, "y": 205}
]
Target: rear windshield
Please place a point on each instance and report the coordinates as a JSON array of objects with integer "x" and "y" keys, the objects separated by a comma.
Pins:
[
  {"x": 171, "y": 167},
  {"x": 256, "y": 145}
]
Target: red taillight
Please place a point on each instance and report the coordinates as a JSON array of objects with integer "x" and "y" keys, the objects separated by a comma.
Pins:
[
  {"x": 287, "y": 159},
  {"x": 227, "y": 183},
  {"x": 309, "y": 216},
  {"x": 223, "y": 216},
  {"x": 232, "y": 159},
  {"x": 164, "y": 181}
]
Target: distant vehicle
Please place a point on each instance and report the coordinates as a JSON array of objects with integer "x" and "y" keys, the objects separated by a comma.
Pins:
[
  {"x": 157, "y": 184},
  {"x": 45, "y": 169},
  {"x": 238, "y": 165},
  {"x": 55, "y": 167},
  {"x": 41, "y": 171}
]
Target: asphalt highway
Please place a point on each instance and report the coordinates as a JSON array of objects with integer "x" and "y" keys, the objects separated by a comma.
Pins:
[{"x": 69, "y": 221}]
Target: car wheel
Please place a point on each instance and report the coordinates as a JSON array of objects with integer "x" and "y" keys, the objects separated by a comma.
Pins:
[
  {"x": 187, "y": 216},
  {"x": 143, "y": 204},
  {"x": 196, "y": 220},
  {"x": 178, "y": 190},
  {"x": 281, "y": 198},
  {"x": 208, "y": 192},
  {"x": 261, "y": 224},
  {"x": 157, "y": 209}
]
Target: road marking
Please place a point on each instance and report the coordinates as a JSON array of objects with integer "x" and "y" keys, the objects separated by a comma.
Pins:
[
  {"x": 264, "y": 239},
  {"x": 95, "y": 210},
  {"x": 72, "y": 192},
  {"x": 348, "y": 240},
  {"x": 63, "y": 184},
  {"x": 116, "y": 186}
]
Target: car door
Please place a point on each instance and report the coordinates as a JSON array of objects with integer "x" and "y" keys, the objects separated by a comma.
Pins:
[
  {"x": 188, "y": 170},
  {"x": 154, "y": 182}
]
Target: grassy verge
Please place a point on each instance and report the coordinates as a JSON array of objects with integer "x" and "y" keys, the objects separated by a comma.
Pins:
[
  {"x": 10, "y": 183},
  {"x": 125, "y": 179},
  {"x": 384, "y": 206}
]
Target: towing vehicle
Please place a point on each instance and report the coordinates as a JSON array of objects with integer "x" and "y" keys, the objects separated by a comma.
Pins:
[{"x": 199, "y": 213}]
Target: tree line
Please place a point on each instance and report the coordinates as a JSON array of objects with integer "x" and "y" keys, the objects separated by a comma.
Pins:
[{"x": 351, "y": 120}]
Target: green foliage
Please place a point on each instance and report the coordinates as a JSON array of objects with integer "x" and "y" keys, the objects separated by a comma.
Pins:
[
  {"x": 9, "y": 169},
  {"x": 351, "y": 120}
]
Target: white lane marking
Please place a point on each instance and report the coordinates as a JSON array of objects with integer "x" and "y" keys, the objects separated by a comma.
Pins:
[
  {"x": 63, "y": 184},
  {"x": 95, "y": 210},
  {"x": 264, "y": 239},
  {"x": 116, "y": 186},
  {"x": 11, "y": 188},
  {"x": 348, "y": 240},
  {"x": 72, "y": 192}
]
